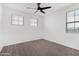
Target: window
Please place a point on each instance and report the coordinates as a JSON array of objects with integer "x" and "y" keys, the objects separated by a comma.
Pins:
[
  {"x": 33, "y": 22},
  {"x": 72, "y": 24},
  {"x": 17, "y": 20}
]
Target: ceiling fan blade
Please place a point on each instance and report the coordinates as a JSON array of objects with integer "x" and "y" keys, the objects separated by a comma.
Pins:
[
  {"x": 30, "y": 8},
  {"x": 42, "y": 11},
  {"x": 46, "y": 7},
  {"x": 36, "y": 11}
]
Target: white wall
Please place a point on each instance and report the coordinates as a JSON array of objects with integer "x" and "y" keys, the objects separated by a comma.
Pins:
[
  {"x": 55, "y": 28},
  {"x": 0, "y": 26},
  {"x": 13, "y": 34}
]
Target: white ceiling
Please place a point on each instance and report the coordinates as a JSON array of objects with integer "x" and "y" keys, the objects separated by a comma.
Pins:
[{"x": 23, "y": 6}]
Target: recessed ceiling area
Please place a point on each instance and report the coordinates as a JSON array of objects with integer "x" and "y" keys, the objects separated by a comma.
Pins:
[{"x": 23, "y": 7}]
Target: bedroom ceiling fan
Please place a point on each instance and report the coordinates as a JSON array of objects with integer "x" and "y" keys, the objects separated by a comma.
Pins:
[{"x": 41, "y": 9}]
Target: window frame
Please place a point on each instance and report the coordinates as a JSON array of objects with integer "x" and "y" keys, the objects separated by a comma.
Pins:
[
  {"x": 17, "y": 20},
  {"x": 34, "y": 22},
  {"x": 74, "y": 22}
]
